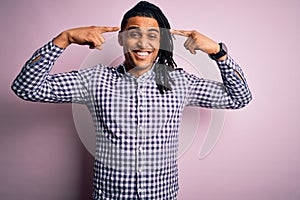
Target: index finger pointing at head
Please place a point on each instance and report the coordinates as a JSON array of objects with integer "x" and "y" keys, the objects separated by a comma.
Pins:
[
  {"x": 110, "y": 29},
  {"x": 181, "y": 32}
]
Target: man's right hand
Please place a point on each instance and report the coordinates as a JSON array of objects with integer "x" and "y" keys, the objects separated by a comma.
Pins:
[{"x": 91, "y": 36}]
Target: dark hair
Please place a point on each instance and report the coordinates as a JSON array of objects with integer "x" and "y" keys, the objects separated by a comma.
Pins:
[{"x": 165, "y": 61}]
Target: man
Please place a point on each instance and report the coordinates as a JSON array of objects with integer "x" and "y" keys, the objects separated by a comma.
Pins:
[{"x": 137, "y": 106}]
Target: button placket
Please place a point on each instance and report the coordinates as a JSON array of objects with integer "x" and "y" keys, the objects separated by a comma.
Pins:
[{"x": 140, "y": 138}]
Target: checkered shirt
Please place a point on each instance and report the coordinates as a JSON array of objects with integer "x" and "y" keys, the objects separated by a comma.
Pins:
[{"x": 136, "y": 126}]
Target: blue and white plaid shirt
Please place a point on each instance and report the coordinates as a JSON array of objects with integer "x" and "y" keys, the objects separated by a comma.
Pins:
[{"x": 136, "y": 126}]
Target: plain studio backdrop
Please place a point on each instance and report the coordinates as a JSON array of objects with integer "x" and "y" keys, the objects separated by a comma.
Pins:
[{"x": 257, "y": 156}]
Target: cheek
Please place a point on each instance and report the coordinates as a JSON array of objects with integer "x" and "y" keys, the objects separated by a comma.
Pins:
[
  {"x": 156, "y": 46},
  {"x": 130, "y": 42},
  {"x": 155, "y": 43}
]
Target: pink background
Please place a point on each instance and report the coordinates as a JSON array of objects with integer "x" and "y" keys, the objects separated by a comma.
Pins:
[{"x": 257, "y": 157}]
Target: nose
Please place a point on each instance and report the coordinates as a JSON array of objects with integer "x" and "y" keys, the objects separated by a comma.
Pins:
[{"x": 143, "y": 42}]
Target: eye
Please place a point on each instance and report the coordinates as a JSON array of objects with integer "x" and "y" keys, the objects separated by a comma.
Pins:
[
  {"x": 134, "y": 34},
  {"x": 153, "y": 36}
]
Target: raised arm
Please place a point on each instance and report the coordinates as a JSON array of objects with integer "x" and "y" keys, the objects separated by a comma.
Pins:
[
  {"x": 232, "y": 93},
  {"x": 91, "y": 36},
  {"x": 34, "y": 82}
]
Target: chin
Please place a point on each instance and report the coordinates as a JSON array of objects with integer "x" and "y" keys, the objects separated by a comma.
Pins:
[{"x": 143, "y": 65}]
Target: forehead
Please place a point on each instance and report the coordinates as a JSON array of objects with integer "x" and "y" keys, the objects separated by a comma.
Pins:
[{"x": 142, "y": 22}]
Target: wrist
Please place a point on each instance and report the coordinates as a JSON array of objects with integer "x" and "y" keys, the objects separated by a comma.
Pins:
[
  {"x": 221, "y": 54},
  {"x": 215, "y": 49},
  {"x": 222, "y": 58},
  {"x": 62, "y": 40}
]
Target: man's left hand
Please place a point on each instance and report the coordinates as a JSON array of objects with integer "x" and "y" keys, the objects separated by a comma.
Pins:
[{"x": 197, "y": 41}]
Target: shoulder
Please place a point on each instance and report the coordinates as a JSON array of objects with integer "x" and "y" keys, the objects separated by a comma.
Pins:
[
  {"x": 99, "y": 72},
  {"x": 99, "y": 68},
  {"x": 180, "y": 74}
]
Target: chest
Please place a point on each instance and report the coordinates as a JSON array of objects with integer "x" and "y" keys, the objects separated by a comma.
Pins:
[{"x": 122, "y": 105}]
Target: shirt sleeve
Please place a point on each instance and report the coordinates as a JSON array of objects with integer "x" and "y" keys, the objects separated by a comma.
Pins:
[
  {"x": 34, "y": 82},
  {"x": 232, "y": 93}
]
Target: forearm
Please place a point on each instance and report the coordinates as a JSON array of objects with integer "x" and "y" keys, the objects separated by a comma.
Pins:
[
  {"x": 62, "y": 40},
  {"x": 235, "y": 82},
  {"x": 34, "y": 83},
  {"x": 30, "y": 81},
  {"x": 232, "y": 93}
]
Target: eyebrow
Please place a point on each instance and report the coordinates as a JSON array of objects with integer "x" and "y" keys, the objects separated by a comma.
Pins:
[{"x": 138, "y": 28}]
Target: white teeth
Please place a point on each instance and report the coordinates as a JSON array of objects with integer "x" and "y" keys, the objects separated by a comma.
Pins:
[{"x": 142, "y": 53}]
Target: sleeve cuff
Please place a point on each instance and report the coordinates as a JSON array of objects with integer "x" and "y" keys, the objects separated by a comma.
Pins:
[
  {"x": 228, "y": 63},
  {"x": 49, "y": 52}
]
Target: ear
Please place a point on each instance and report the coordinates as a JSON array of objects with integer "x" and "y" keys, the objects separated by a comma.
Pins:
[{"x": 120, "y": 38}]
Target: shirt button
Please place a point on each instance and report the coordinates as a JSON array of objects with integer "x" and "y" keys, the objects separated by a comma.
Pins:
[
  {"x": 141, "y": 128},
  {"x": 140, "y": 190},
  {"x": 141, "y": 149},
  {"x": 141, "y": 107}
]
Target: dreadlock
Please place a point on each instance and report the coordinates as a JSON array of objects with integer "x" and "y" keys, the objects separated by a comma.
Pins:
[{"x": 165, "y": 62}]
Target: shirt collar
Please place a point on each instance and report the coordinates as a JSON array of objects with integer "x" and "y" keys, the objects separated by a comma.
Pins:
[{"x": 146, "y": 76}]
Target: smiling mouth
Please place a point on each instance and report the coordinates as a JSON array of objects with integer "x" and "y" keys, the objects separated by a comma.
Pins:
[{"x": 142, "y": 53}]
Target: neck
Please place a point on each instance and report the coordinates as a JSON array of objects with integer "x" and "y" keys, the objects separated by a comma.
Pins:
[{"x": 136, "y": 71}]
